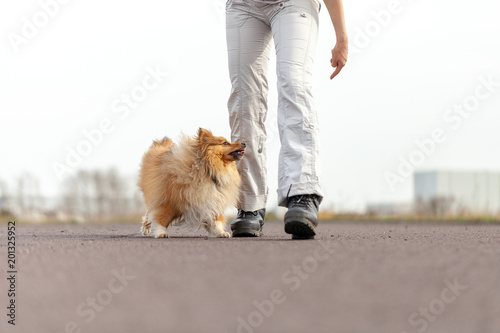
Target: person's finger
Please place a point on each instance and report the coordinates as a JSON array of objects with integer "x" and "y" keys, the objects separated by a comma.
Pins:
[{"x": 337, "y": 70}]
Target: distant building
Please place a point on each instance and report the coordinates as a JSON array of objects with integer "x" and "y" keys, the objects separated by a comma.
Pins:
[{"x": 457, "y": 192}]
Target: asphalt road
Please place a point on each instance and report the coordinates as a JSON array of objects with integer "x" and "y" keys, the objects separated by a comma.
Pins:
[{"x": 355, "y": 277}]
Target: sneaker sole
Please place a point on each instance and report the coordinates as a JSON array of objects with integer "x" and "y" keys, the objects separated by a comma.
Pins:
[
  {"x": 246, "y": 232},
  {"x": 300, "y": 229}
]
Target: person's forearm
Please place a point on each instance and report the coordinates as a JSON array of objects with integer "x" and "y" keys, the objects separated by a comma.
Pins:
[{"x": 336, "y": 11}]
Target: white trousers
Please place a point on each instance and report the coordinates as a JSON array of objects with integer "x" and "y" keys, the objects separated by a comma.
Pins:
[{"x": 250, "y": 27}]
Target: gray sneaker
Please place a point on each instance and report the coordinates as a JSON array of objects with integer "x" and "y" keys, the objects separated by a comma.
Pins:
[
  {"x": 248, "y": 224},
  {"x": 301, "y": 219}
]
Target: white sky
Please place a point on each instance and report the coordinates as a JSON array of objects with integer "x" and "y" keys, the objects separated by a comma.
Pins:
[{"x": 395, "y": 89}]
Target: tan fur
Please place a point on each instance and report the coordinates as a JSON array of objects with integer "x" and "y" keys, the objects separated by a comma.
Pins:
[{"x": 190, "y": 184}]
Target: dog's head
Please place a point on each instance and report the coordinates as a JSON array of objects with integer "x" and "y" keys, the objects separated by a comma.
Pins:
[{"x": 217, "y": 146}]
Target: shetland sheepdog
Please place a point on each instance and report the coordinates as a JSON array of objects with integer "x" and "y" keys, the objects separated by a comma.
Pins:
[{"x": 190, "y": 183}]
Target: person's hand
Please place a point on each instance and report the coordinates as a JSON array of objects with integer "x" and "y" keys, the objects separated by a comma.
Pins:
[{"x": 339, "y": 57}]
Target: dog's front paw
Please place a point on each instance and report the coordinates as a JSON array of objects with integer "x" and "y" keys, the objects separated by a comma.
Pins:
[
  {"x": 145, "y": 230},
  {"x": 224, "y": 234}
]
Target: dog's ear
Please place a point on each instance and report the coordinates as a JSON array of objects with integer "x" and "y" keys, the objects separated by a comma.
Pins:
[{"x": 203, "y": 135}]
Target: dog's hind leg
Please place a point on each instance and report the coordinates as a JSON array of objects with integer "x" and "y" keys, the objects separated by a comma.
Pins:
[{"x": 162, "y": 217}]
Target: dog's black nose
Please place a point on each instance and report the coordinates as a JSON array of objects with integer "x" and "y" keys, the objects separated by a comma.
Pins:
[{"x": 243, "y": 144}]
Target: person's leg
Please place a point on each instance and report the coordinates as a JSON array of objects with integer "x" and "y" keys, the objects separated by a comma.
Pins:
[
  {"x": 295, "y": 30},
  {"x": 248, "y": 44}
]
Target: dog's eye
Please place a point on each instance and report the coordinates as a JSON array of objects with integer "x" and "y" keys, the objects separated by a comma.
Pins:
[{"x": 226, "y": 143}]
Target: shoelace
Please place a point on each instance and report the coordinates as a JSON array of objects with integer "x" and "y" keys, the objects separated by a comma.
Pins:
[
  {"x": 243, "y": 213},
  {"x": 301, "y": 200}
]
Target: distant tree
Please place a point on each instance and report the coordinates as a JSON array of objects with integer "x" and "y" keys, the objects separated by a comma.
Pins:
[
  {"x": 439, "y": 206},
  {"x": 100, "y": 195},
  {"x": 117, "y": 193},
  {"x": 70, "y": 197},
  {"x": 5, "y": 209},
  {"x": 137, "y": 203},
  {"x": 86, "y": 193},
  {"x": 28, "y": 198}
]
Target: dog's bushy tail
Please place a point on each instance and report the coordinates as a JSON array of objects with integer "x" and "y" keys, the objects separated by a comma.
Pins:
[{"x": 164, "y": 142}]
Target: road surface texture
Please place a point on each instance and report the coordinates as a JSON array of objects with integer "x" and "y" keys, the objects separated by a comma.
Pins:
[{"x": 355, "y": 277}]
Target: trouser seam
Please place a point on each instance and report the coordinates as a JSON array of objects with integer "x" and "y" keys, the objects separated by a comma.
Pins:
[{"x": 310, "y": 115}]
